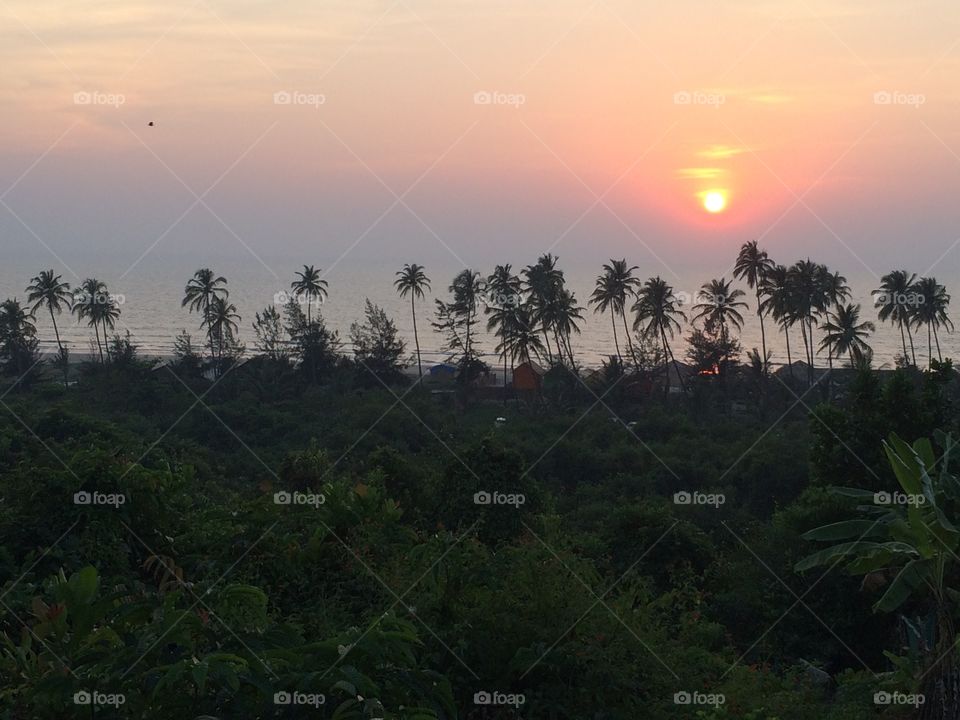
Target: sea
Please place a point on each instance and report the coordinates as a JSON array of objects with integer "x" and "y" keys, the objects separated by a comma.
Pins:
[{"x": 150, "y": 297}]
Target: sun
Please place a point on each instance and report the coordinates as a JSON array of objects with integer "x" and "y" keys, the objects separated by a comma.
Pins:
[{"x": 714, "y": 201}]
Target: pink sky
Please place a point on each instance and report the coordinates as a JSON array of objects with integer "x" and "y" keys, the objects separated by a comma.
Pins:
[{"x": 607, "y": 122}]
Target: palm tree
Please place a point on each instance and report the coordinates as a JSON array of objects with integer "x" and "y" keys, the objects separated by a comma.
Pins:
[
  {"x": 17, "y": 331},
  {"x": 893, "y": 303},
  {"x": 47, "y": 289},
  {"x": 222, "y": 322},
  {"x": 613, "y": 287},
  {"x": 845, "y": 334},
  {"x": 502, "y": 300},
  {"x": 518, "y": 336},
  {"x": 310, "y": 285},
  {"x": 201, "y": 290},
  {"x": 776, "y": 302},
  {"x": 931, "y": 310},
  {"x": 466, "y": 290},
  {"x": 807, "y": 299},
  {"x": 107, "y": 311},
  {"x": 542, "y": 281},
  {"x": 412, "y": 281},
  {"x": 87, "y": 301},
  {"x": 719, "y": 305},
  {"x": 752, "y": 266},
  {"x": 562, "y": 314},
  {"x": 834, "y": 291},
  {"x": 656, "y": 309}
]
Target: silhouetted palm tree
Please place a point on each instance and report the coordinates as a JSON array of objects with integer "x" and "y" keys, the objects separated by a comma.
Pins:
[
  {"x": 656, "y": 311},
  {"x": 931, "y": 310},
  {"x": 807, "y": 300},
  {"x": 17, "y": 332},
  {"x": 466, "y": 290},
  {"x": 613, "y": 287},
  {"x": 542, "y": 281},
  {"x": 222, "y": 322},
  {"x": 518, "y": 336},
  {"x": 845, "y": 334},
  {"x": 562, "y": 315},
  {"x": 413, "y": 281},
  {"x": 502, "y": 298},
  {"x": 752, "y": 267},
  {"x": 48, "y": 290},
  {"x": 834, "y": 291},
  {"x": 720, "y": 305},
  {"x": 776, "y": 302},
  {"x": 201, "y": 290},
  {"x": 310, "y": 285},
  {"x": 87, "y": 301},
  {"x": 894, "y": 302}
]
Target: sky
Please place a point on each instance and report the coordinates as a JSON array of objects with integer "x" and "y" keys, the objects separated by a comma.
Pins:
[{"x": 469, "y": 133}]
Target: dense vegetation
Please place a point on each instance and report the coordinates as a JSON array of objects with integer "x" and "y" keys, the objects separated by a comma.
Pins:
[
  {"x": 585, "y": 588},
  {"x": 311, "y": 533}
]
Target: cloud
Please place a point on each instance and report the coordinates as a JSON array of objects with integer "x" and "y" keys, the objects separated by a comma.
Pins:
[
  {"x": 700, "y": 173},
  {"x": 721, "y": 152}
]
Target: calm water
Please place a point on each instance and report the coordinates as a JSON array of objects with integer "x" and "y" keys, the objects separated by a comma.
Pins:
[{"x": 152, "y": 313}]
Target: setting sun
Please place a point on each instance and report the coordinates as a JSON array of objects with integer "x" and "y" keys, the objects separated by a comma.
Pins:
[{"x": 714, "y": 201}]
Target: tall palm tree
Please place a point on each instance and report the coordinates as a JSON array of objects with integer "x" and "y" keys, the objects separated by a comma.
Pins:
[
  {"x": 656, "y": 310},
  {"x": 543, "y": 281},
  {"x": 807, "y": 301},
  {"x": 87, "y": 303},
  {"x": 845, "y": 334},
  {"x": 893, "y": 303},
  {"x": 222, "y": 322},
  {"x": 834, "y": 291},
  {"x": 413, "y": 281},
  {"x": 503, "y": 298},
  {"x": 466, "y": 289},
  {"x": 776, "y": 301},
  {"x": 752, "y": 267},
  {"x": 47, "y": 289},
  {"x": 107, "y": 312},
  {"x": 562, "y": 315},
  {"x": 931, "y": 310},
  {"x": 614, "y": 285},
  {"x": 310, "y": 285},
  {"x": 201, "y": 290},
  {"x": 720, "y": 305},
  {"x": 519, "y": 338}
]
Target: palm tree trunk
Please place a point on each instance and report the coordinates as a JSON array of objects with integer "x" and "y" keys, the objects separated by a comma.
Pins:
[
  {"x": 786, "y": 334},
  {"x": 763, "y": 332},
  {"x": 929, "y": 347},
  {"x": 616, "y": 344},
  {"x": 806, "y": 348},
  {"x": 626, "y": 331},
  {"x": 546, "y": 344},
  {"x": 903, "y": 340},
  {"x": 666, "y": 363},
  {"x": 913, "y": 352},
  {"x": 96, "y": 330},
  {"x": 937, "y": 339},
  {"x": 55, "y": 329},
  {"x": 416, "y": 338}
]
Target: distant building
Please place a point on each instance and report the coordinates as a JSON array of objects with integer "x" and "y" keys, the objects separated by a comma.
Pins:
[
  {"x": 443, "y": 373},
  {"x": 528, "y": 377}
]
